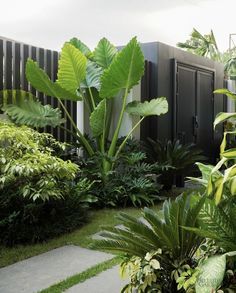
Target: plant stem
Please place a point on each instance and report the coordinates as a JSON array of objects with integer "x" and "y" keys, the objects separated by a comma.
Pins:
[
  {"x": 92, "y": 99},
  {"x": 127, "y": 137},
  {"x": 80, "y": 135},
  {"x": 112, "y": 147},
  {"x": 104, "y": 162},
  {"x": 69, "y": 131}
]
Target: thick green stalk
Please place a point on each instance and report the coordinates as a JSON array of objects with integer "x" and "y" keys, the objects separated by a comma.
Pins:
[
  {"x": 92, "y": 99},
  {"x": 81, "y": 137},
  {"x": 112, "y": 147},
  {"x": 103, "y": 141},
  {"x": 109, "y": 112},
  {"x": 127, "y": 137}
]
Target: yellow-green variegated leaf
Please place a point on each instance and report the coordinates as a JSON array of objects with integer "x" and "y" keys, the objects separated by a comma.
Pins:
[
  {"x": 224, "y": 140},
  {"x": 226, "y": 92},
  {"x": 72, "y": 68},
  {"x": 214, "y": 173},
  {"x": 223, "y": 143},
  {"x": 104, "y": 53},
  {"x": 154, "y": 107},
  {"x": 228, "y": 174},
  {"x": 229, "y": 154},
  {"x": 222, "y": 116},
  {"x": 212, "y": 272},
  {"x": 41, "y": 82},
  {"x": 233, "y": 185},
  {"x": 97, "y": 119},
  {"x": 124, "y": 72}
]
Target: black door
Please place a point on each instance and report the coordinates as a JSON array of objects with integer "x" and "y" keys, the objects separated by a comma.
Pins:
[{"x": 193, "y": 106}]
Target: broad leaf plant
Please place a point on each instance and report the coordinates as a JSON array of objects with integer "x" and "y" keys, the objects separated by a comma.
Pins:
[{"x": 97, "y": 78}]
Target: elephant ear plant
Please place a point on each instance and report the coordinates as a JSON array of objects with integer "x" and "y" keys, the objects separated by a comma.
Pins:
[{"x": 96, "y": 78}]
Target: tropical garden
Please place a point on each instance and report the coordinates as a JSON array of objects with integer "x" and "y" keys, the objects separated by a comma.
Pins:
[{"x": 178, "y": 242}]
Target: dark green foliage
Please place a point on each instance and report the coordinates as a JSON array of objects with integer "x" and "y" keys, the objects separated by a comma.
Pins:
[
  {"x": 130, "y": 183},
  {"x": 25, "y": 221},
  {"x": 175, "y": 158}
]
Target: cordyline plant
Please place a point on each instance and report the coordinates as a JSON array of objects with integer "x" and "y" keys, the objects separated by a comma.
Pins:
[{"x": 95, "y": 78}]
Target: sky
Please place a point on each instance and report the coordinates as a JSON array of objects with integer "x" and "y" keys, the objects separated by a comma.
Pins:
[{"x": 49, "y": 23}]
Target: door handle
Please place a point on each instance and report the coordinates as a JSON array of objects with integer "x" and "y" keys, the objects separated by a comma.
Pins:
[{"x": 195, "y": 125}]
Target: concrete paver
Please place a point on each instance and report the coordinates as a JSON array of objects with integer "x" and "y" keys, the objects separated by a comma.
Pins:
[
  {"x": 44, "y": 270},
  {"x": 106, "y": 282}
]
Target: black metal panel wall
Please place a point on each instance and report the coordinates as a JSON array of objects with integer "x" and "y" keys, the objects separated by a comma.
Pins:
[
  {"x": 13, "y": 58},
  {"x": 194, "y": 106},
  {"x": 198, "y": 77}
]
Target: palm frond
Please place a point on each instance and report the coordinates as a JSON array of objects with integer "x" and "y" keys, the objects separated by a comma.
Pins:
[{"x": 137, "y": 237}]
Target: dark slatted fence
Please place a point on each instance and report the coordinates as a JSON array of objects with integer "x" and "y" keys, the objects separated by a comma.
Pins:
[{"x": 13, "y": 57}]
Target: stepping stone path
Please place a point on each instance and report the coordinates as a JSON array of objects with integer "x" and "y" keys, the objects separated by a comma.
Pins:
[
  {"x": 106, "y": 282},
  {"x": 41, "y": 271}
]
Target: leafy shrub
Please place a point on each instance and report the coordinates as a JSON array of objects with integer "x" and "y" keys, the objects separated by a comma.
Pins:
[
  {"x": 39, "y": 198},
  {"x": 27, "y": 166},
  {"x": 25, "y": 221}
]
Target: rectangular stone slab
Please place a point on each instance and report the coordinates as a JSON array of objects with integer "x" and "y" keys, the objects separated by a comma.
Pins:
[{"x": 44, "y": 270}]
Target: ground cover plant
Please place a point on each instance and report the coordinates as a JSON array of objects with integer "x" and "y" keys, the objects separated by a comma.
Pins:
[{"x": 39, "y": 195}]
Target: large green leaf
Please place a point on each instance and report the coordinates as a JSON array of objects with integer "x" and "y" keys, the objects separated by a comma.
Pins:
[
  {"x": 124, "y": 72},
  {"x": 72, "y": 68},
  {"x": 41, "y": 82},
  {"x": 212, "y": 273},
  {"x": 104, "y": 53},
  {"x": 14, "y": 96},
  {"x": 222, "y": 116},
  {"x": 154, "y": 107},
  {"x": 81, "y": 46},
  {"x": 32, "y": 113},
  {"x": 97, "y": 119},
  {"x": 93, "y": 75},
  {"x": 226, "y": 92}
]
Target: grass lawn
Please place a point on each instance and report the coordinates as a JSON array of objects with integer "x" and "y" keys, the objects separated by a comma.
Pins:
[{"x": 80, "y": 236}]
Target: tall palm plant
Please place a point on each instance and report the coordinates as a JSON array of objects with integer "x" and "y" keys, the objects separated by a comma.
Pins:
[{"x": 203, "y": 45}]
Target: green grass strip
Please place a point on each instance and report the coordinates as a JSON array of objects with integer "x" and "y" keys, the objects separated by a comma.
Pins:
[{"x": 81, "y": 277}]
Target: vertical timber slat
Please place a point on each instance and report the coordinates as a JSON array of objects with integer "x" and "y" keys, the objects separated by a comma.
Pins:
[{"x": 13, "y": 58}]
